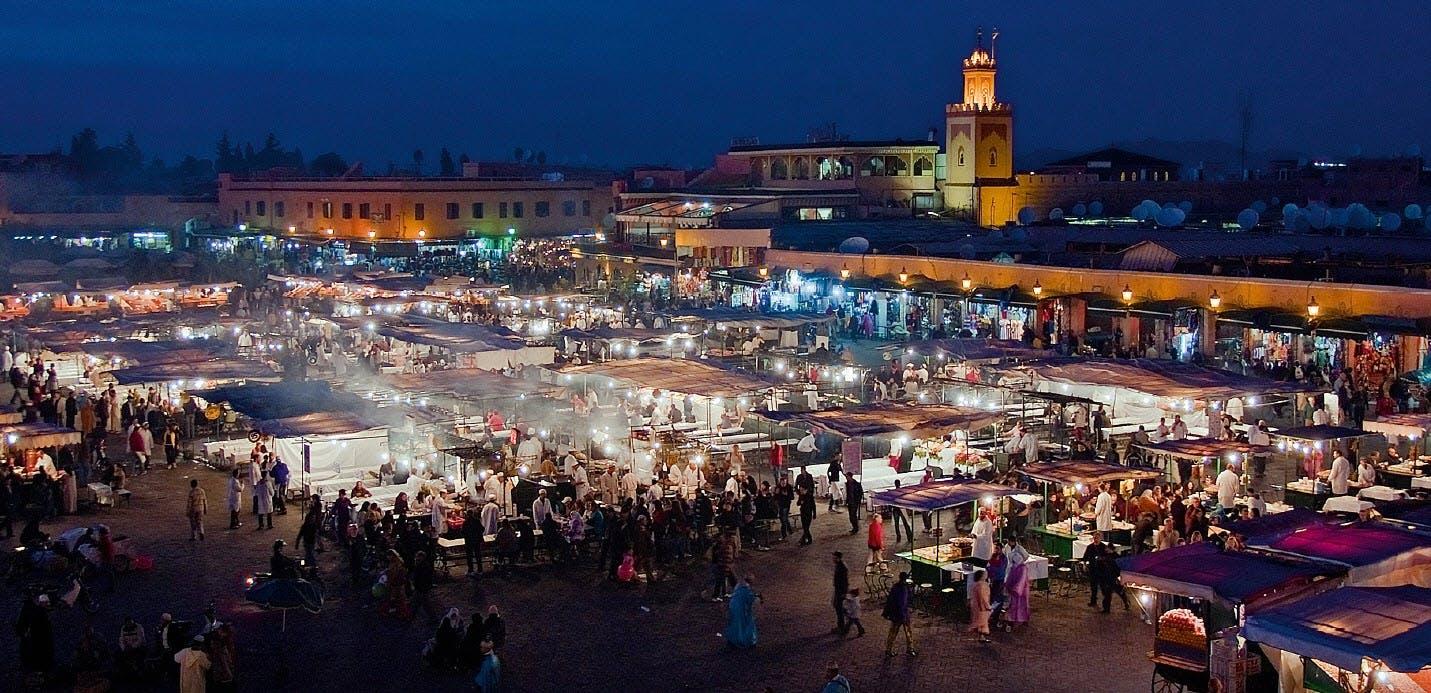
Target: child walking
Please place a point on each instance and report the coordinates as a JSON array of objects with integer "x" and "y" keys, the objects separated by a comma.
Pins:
[{"x": 852, "y": 613}]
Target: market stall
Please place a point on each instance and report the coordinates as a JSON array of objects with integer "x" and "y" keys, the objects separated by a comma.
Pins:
[
  {"x": 942, "y": 562},
  {"x": 1375, "y": 554},
  {"x": 1197, "y": 594},
  {"x": 1406, "y": 435},
  {"x": 23, "y": 443},
  {"x": 1196, "y": 458},
  {"x": 1314, "y": 448},
  {"x": 1070, "y": 535},
  {"x": 1355, "y": 635}
]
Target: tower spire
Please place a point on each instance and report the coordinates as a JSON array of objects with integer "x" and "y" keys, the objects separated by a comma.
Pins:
[{"x": 979, "y": 37}]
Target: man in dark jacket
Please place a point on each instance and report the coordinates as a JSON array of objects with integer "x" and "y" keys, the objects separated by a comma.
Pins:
[
  {"x": 842, "y": 587},
  {"x": 854, "y": 498},
  {"x": 896, "y": 611}
]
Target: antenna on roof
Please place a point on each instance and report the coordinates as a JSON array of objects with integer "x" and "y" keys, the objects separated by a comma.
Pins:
[
  {"x": 979, "y": 37},
  {"x": 993, "y": 41}
]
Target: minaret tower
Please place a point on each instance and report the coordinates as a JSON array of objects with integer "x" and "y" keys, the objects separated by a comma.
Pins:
[{"x": 979, "y": 143}]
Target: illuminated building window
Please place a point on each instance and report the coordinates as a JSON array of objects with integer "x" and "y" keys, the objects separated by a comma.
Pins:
[
  {"x": 961, "y": 156},
  {"x": 278, "y": 208},
  {"x": 923, "y": 166},
  {"x": 454, "y": 210},
  {"x": 419, "y": 211},
  {"x": 347, "y": 210},
  {"x": 874, "y": 166},
  {"x": 517, "y": 210},
  {"x": 568, "y": 208},
  {"x": 895, "y": 166},
  {"x": 476, "y": 210},
  {"x": 846, "y": 168},
  {"x": 364, "y": 210},
  {"x": 824, "y": 168},
  {"x": 993, "y": 157},
  {"x": 327, "y": 209}
]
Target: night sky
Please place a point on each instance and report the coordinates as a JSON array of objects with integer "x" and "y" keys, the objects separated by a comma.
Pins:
[{"x": 620, "y": 83}]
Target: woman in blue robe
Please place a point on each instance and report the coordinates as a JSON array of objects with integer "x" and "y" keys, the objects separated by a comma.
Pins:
[{"x": 740, "y": 629}]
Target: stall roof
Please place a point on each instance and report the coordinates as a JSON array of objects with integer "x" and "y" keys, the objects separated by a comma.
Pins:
[
  {"x": 677, "y": 375},
  {"x": 1356, "y": 545},
  {"x": 1414, "y": 512},
  {"x": 154, "y": 353},
  {"x": 937, "y": 495},
  {"x": 733, "y": 317},
  {"x": 918, "y": 420},
  {"x": 213, "y": 369},
  {"x": 454, "y": 336},
  {"x": 465, "y": 383},
  {"x": 1084, "y": 472},
  {"x": 1204, "y": 571},
  {"x": 1277, "y": 525},
  {"x": 318, "y": 424},
  {"x": 10, "y": 415},
  {"x": 1202, "y": 448},
  {"x": 29, "y": 436},
  {"x": 606, "y": 334},
  {"x": 1391, "y": 625},
  {"x": 1160, "y": 378},
  {"x": 971, "y": 349},
  {"x": 1322, "y": 432},
  {"x": 285, "y": 400},
  {"x": 1406, "y": 424}
]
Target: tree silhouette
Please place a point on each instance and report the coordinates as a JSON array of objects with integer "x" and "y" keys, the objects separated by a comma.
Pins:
[
  {"x": 417, "y": 157},
  {"x": 448, "y": 168},
  {"x": 519, "y": 154}
]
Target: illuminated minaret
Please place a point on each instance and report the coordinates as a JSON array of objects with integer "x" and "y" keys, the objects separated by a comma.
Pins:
[{"x": 979, "y": 143}]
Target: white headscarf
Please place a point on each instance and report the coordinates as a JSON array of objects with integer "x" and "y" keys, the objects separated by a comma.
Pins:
[{"x": 1017, "y": 555}]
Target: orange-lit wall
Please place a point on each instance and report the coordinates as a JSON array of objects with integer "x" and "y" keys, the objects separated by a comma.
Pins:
[
  {"x": 1334, "y": 299},
  {"x": 238, "y": 204}
]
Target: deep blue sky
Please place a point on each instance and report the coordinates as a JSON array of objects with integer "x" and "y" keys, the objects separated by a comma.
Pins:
[{"x": 623, "y": 82}]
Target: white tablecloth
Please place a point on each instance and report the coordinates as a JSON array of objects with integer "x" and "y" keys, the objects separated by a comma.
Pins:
[
  {"x": 1037, "y": 567},
  {"x": 1381, "y": 493},
  {"x": 1421, "y": 482}
]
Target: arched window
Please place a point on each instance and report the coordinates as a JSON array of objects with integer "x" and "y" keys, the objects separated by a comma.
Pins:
[
  {"x": 778, "y": 169},
  {"x": 923, "y": 166},
  {"x": 874, "y": 166},
  {"x": 802, "y": 168},
  {"x": 961, "y": 156},
  {"x": 846, "y": 168},
  {"x": 993, "y": 156},
  {"x": 895, "y": 166},
  {"x": 824, "y": 168}
]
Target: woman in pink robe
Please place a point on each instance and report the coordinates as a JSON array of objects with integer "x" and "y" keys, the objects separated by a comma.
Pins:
[{"x": 1016, "y": 587}]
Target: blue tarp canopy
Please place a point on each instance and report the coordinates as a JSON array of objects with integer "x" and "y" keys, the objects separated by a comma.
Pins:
[
  {"x": 1204, "y": 571},
  {"x": 1414, "y": 512},
  {"x": 1391, "y": 625},
  {"x": 265, "y": 402},
  {"x": 937, "y": 495},
  {"x": 214, "y": 369},
  {"x": 1373, "y": 550}
]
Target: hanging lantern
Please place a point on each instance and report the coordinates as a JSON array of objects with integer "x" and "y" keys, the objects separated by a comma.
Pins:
[
  {"x": 903, "y": 276},
  {"x": 1214, "y": 300},
  {"x": 1037, "y": 288},
  {"x": 1312, "y": 308},
  {"x": 1127, "y": 293},
  {"x": 845, "y": 272}
]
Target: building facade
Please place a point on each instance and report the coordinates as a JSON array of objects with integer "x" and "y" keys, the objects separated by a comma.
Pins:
[
  {"x": 412, "y": 209},
  {"x": 979, "y": 146}
]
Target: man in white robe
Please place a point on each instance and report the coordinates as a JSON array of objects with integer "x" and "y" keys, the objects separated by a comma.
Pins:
[{"x": 1103, "y": 509}]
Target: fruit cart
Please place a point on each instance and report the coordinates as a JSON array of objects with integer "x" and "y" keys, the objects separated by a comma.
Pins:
[{"x": 1179, "y": 652}]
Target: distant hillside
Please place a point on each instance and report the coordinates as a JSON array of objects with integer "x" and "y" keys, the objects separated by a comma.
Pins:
[{"x": 1186, "y": 153}]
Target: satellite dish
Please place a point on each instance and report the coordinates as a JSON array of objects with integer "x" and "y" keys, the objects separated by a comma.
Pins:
[
  {"x": 1412, "y": 211},
  {"x": 854, "y": 245},
  {"x": 1169, "y": 217},
  {"x": 1259, "y": 206},
  {"x": 1056, "y": 214},
  {"x": 1095, "y": 208},
  {"x": 1317, "y": 217},
  {"x": 1390, "y": 221},
  {"x": 1080, "y": 210},
  {"x": 1186, "y": 206},
  {"x": 1027, "y": 216},
  {"x": 1247, "y": 219}
]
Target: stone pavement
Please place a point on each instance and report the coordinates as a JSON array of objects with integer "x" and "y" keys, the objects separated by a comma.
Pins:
[{"x": 570, "y": 630}]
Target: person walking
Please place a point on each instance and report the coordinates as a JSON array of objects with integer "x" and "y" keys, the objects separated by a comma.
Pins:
[
  {"x": 896, "y": 611},
  {"x": 280, "y": 475},
  {"x": 170, "y": 438},
  {"x": 740, "y": 630},
  {"x": 980, "y": 605},
  {"x": 835, "y": 681},
  {"x": 489, "y": 671},
  {"x": 472, "y": 539},
  {"x": 875, "y": 541},
  {"x": 854, "y": 498},
  {"x": 1093, "y": 563},
  {"x": 807, "y": 515},
  {"x": 235, "y": 499},
  {"x": 198, "y": 506},
  {"x": 194, "y": 665},
  {"x": 852, "y": 613},
  {"x": 1016, "y": 586},
  {"x": 841, "y": 588}
]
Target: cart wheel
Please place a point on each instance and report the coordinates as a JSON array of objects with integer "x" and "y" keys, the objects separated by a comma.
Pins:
[{"x": 1162, "y": 685}]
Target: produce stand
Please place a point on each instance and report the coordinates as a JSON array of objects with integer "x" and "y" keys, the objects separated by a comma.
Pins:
[
  {"x": 934, "y": 564},
  {"x": 1059, "y": 537}
]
